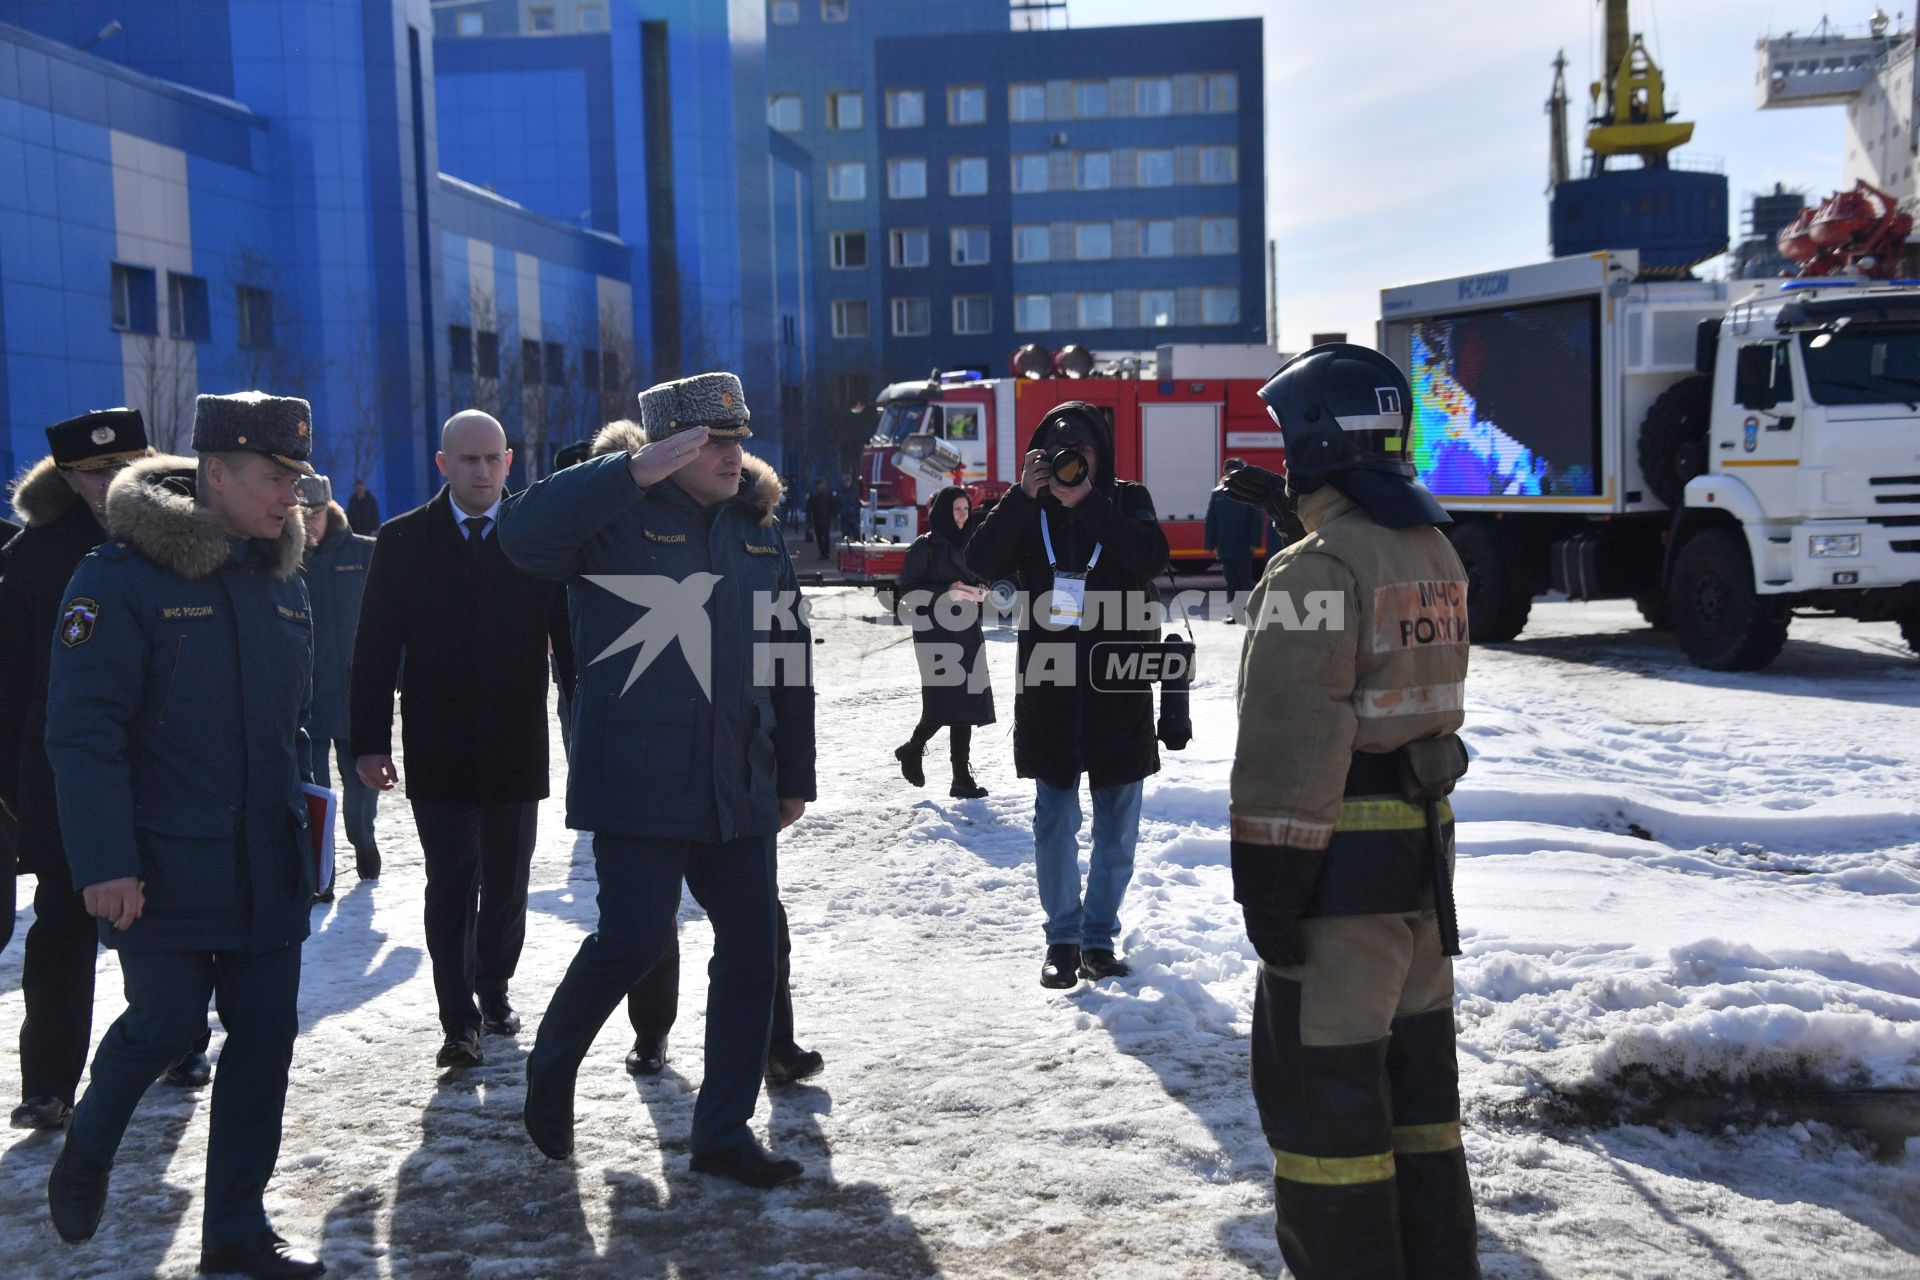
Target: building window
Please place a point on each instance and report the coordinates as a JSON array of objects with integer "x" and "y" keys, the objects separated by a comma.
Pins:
[
  {"x": 1219, "y": 235},
  {"x": 529, "y": 363},
  {"x": 1027, "y": 102},
  {"x": 786, "y": 12},
  {"x": 469, "y": 24},
  {"x": 486, "y": 354},
  {"x": 970, "y": 246},
  {"x": 907, "y": 246},
  {"x": 1092, "y": 241},
  {"x": 589, "y": 369},
  {"x": 1032, "y": 242},
  {"x": 973, "y": 314},
  {"x": 1156, "y": 308},
  {"x": 1090, "y": 99},
  {"x": 610, "y": 372},
  {"x": 784, "y": 113},
  {"x": 847, "y": 180},
  {"x": 1153, "y": 96},
  {"x": 847, "y": 250},
  {"x": 833, "y": 10},
  {"x": 850, "y": 318},
  {"x": 967, "y": 176},
  {"x": 1029, "y": 173},
  {"x": 850, "y": 391},
  {"x": 1092, "y": 170},
  {"x": 845, "y": 110},
  {"x": 1156, "y": 238},
  {"x": 593, "y": 18},
  {"x": 906, "y": 108},
  {"x": 907, "y": 179},
  {"x": 1033, "y": 312},
  {"x": 1219, "y": 165},
  {"x": 1220, "y": 306},
  {"x": 912, "y": 318},
  {"x": 134, "y": 304},
  {"x": 1096, "y": 310},
  {"x": 187, "y": 309},
  {"x": 460, "y": 348},
  {"x": 966, "y": 104},
  {"x": 540, "y": 19},
  {"x": 254, "y": 310},
  {"x": 1220, "y": 93},
  {"x": 556, "y": 364},
  {"x": 1153, "y": 167}
]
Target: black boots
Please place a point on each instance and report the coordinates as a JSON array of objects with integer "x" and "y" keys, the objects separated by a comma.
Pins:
[
  {"x": 648, "y": 1057},
  {"x": 964, "y": 787},
  {"x": 908, "y": 754},
  {"x": 263, "y": 1257},
  {"x": 497, "y": 1015},
  {"x": 1062, "y": 967},
  {"x": 76, "y": 1195},
  {"x": 1096, "y": 963},
  {"x": 189, "y": 1071},
  {"x": 42, "y": 1113},
  {"x": 366, "y": 861},
  {"x": 461, "y": 1049},
  {"x": 790, "y": 1064},
  {"x": 749, "y": 1163},
  {"x": 548, "y": 1115}
]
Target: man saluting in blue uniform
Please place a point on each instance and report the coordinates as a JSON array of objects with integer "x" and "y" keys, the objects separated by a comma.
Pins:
[{"x": 182, "y": 667}]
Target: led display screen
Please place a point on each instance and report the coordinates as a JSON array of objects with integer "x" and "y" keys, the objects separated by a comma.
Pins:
[{"x": 1506, "y": 403}]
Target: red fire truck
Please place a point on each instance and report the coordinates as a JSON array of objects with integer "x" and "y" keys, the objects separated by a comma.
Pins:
[{"x": 1175, "y": 417}]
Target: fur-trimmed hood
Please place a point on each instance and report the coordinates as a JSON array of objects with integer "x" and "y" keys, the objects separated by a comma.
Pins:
[
  {"x": 151, "y": 505},
  {"x": 40, "y": 496},
  {"x": 760, "y": 486}
]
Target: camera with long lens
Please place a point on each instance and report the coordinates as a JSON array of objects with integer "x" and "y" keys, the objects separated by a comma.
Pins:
[{"x": 1069, "y": 465}]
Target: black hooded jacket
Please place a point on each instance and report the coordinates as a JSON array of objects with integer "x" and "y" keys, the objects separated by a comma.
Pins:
[
  {"x": 936, "y": 561},
  {"x": 1062, "y": 729}
]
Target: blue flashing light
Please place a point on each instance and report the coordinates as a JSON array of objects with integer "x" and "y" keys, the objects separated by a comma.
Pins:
[
  {"x": 1788, "y": 286},
  {"x": 1902, "y": 284}
]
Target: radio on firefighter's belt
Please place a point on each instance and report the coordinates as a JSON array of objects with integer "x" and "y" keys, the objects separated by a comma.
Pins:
[{"x": 1429, "y": 768}]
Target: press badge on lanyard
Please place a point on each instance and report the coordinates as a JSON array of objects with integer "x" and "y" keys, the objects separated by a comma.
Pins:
[{"x": 1069, "y": 596}]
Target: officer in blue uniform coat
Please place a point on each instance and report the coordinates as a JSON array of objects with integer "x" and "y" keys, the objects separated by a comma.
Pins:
[
  {"x": 182, "y": 667},
  {"x": 693, "y": 738}
]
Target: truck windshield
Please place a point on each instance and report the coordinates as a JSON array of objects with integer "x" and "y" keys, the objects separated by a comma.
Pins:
[
  {"x": 900, "y": 420},
  {"x": 1860, "y": 364}
]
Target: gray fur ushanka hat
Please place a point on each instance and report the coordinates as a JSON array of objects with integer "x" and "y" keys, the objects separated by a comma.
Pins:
[{"x": 711, "y": 400}]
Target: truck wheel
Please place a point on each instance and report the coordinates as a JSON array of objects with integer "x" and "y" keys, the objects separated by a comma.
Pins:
[
  {"x": 1721, "y": 621},
  {"x": 1673, "y": 438},
  {"x": 1497, "y": 604},
  {"x": 1653, "y": 610}
]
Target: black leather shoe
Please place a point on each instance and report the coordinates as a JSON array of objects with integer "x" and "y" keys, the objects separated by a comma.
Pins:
[
  {"x": 750, "y": 1163},
  {"x": 965, "y": 788},
  {"x": 76, "y": 1194},
  {"x": 1062, "y": 967},
  {"x": 497, "y": 1015},
  {"x": 42, "y": 1113},
  {"x": 910, "y": 767},
  {"x": 264, "y": 1257},
  {"x": 189, "y": 1071},
  {"x": 366, "y": 861},
  {"x": 548, "y": 1115},
  {"x": 1098, "y": 963},
  {"x": 461, "y": 1050},
  {"x": 790, "y": 1064},
  {"x": 648, "y": 1057}
]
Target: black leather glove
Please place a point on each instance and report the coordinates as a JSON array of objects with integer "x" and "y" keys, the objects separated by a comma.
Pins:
[
  {"x": 1276, "y": 936},
  {"x": 1259, "y": 487}
]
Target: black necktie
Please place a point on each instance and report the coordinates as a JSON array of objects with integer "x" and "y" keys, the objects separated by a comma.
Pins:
[{"x": 476, "y": 529}]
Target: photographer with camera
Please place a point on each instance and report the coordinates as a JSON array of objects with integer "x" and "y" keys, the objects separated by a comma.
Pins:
[{"x": 1071, "y": 532}]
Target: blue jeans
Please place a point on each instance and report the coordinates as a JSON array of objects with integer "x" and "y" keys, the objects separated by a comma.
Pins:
[
  {"x": 1056, "y": 860},
  {"x": 357, "y": 799}
]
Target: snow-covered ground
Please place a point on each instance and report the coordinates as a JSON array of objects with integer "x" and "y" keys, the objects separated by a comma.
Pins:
[{"x": 1675, "y": 888}]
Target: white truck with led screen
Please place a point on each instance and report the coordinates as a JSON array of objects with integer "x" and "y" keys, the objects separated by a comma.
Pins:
[{"x": 1723, "y": 453}]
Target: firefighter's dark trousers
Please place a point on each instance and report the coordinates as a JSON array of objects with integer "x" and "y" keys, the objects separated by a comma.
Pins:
[{"x": 1359, "y": 1094}]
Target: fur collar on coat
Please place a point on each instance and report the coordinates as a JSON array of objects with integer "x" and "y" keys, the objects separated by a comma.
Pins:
[
  {"x": 760, "y": 488},
  {"x": 151, "y": 505}
]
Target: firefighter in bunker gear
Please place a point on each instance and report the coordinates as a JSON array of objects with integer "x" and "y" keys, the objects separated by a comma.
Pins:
[{"x": 1351, "y": 688}]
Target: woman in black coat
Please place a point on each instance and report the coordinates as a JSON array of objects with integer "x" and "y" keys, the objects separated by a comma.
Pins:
[{"x": 954, "y": 691}]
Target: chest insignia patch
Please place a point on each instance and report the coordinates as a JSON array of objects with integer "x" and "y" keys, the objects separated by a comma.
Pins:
[
  {"x": 76, "y": 624},
  {"x": 173, "y": 611},
  {"x": 666, "y": 539},
  {"x": 291, "y": 615},
  {"x": 756, "y": 549}
]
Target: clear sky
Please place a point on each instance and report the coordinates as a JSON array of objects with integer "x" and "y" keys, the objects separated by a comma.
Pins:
[{"x": 1407, "y": 139}]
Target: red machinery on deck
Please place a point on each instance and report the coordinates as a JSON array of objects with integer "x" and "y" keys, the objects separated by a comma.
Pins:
[
  {"x": 1175, "y": 419},
  {"x": 1863, "y": 231}
]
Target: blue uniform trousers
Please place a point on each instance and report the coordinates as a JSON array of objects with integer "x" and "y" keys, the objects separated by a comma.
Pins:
[
  {"x": 639, "y": 902},
  {"x": 258, "y": 998}
]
